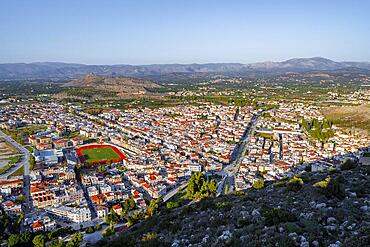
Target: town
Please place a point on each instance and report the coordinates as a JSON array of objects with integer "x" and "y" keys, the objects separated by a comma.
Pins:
[{"x": 82, "y": 168}]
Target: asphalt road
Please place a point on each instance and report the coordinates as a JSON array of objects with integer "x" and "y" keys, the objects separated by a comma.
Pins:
[
  {"x": 24, "y": 157},
  {"x": 24, "y": 160},
  {"x": 227, "y": 184}
]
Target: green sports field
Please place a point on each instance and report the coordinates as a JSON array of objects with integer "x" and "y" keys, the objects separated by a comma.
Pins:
[{"x": 99, "y": 154}]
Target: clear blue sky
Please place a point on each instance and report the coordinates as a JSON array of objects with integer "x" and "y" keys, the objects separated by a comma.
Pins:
[{"x": 182, "y": 31}]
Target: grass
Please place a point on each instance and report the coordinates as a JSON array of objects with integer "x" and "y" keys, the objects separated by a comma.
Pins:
[
  {"x": 12, "y": 161},
  {"x": 5, "y": 168},
  {"x": 98, "y": 154},
  {"x": 18, "y": 172}
]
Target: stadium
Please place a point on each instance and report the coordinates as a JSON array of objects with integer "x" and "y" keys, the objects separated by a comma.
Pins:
[{"x": 100, "y": 154}]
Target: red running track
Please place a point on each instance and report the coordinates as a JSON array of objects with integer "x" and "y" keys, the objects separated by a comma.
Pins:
[{"x": 93, "y": 146}]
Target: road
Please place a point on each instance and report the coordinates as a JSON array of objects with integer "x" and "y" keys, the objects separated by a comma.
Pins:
[
  {"x": 227, "y": 184},
  {"x": 24, "y": 160},
  {"x": 173, "y": 192}
]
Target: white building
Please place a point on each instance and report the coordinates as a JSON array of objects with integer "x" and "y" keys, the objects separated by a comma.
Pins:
[{"x": 77, "y": 215}]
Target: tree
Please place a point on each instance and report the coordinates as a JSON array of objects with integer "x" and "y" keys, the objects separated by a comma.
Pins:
[
  {"x": 112, "y": 217},
  {"x": 57, "y": 243},
  {"x": 75, "y": 240},
  {"x": 151, "y": 209},
  {"x": 108, "y": 232},
  {"x": 14, "y": 240},
  {"x": 132, "y": 203},
  {"x": 199, "y": 188},
  {"x": 39, "y": 240}
]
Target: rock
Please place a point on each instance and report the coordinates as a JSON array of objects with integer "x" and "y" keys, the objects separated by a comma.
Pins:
[
  {"x": 281, "y": 229},
  {"x": 320, "y": 205},
  {"x": 315, "y": 243},
  {"x": 351, "y": 227},
  {"x": 225, "y": 235},
  {"x": 331, "y": 221},
  {"x": 353, "y": 194},
  {"x": 175, "y": 243},
  {"x": 331, "y": 228},
  {"x": 304, "y": 244},
  {"x": 293, "y": 235},
  {"x": 302, "y": 239},
  {"x": 205, "y": 239},
  {"x": 336, "y": 244},
  {"x": 256, "y": 216},
  {"x": 312, "y": 204},
  {"x": 364, "y": 208}
]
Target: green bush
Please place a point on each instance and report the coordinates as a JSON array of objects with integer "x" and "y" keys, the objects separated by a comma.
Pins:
[
  {"x": 239, "y": 193},
  {"x": 259, "y": 184},
  {"x": 332, "y": 187},
  {"x": 223, "y": 205},
  {"x": 279, "y": 184},
  {"x": 170, "y": 205},
  {"x": 90, "y": 229},
  {"x": 278, "y": 215},
  {"x": 108, "y": 232},
  {"x": 295, "y": 184},
  {"x": 98, "y": 227}
]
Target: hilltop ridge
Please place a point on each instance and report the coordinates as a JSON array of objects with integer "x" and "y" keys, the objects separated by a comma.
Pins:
[
  {"x": 123, "y": 86},
  {"x": 54, "y": 70},
  {"x": 330, "y": 208}
]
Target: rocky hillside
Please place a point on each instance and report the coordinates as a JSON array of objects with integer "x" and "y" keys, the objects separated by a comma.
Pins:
[
  {"x": 123, "y": 86},
  {"x": 330, "y": 208}
]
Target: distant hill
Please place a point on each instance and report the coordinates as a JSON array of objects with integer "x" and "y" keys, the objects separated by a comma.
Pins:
[
  {"x": 123, "y": 86},
  {"x": 50, "y": 70}
]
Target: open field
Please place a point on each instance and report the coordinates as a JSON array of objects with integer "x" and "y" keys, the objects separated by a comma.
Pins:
[
  {"x": 6, "y": 149},
  {"x": 98, "y": 154},
  {"x": 349, "y": 116},
  {"x": 95, "y": 154}
]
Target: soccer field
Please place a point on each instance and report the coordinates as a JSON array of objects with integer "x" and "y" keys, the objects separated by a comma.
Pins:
[{"x": 99, "y": 154}]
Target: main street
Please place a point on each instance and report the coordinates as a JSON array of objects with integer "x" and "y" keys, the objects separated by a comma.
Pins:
[
  {"x": 227, "y": 184},
  {"x": 24, "y": 160}
]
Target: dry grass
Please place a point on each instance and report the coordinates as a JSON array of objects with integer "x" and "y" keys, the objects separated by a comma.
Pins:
[
  {"x": 349, "y": 116},
  {"x": 6, "y": 149}
]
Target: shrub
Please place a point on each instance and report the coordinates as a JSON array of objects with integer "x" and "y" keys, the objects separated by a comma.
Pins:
[
  {"x": 90, "y": 229},
  {"x": 348, "y": 165},
  {"x": 223, "y": 205},
  {"x": 108, "y": 232},
  {"x": 243, "y": 222},
  {"x": 279, "y": 184},
  {"x": 332, "y": 187},
  {"x": 259, "y": 184},
  {"x": 278, "y": 215},
  {"x": 239, "y": 193},
  {"x": 98, "y": 227},
  {"x": 170, "y": 205},
  {"x": 295, "y": 184}
]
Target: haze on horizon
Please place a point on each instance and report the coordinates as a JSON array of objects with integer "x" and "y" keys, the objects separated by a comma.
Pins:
[{"x": 165, "y": 31}]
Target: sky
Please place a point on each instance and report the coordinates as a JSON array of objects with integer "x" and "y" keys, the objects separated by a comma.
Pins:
[{"x": 182, "y": 31}]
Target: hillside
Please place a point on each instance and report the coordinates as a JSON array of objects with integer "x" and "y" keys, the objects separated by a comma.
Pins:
[
  {"x": 49, "y": 70},
  {"x": 122, "y": 86},
  {"x": 331, "y": 208}
]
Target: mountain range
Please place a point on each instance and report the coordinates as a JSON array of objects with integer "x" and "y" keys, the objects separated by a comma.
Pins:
[{"x": 54, "y": 70}]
